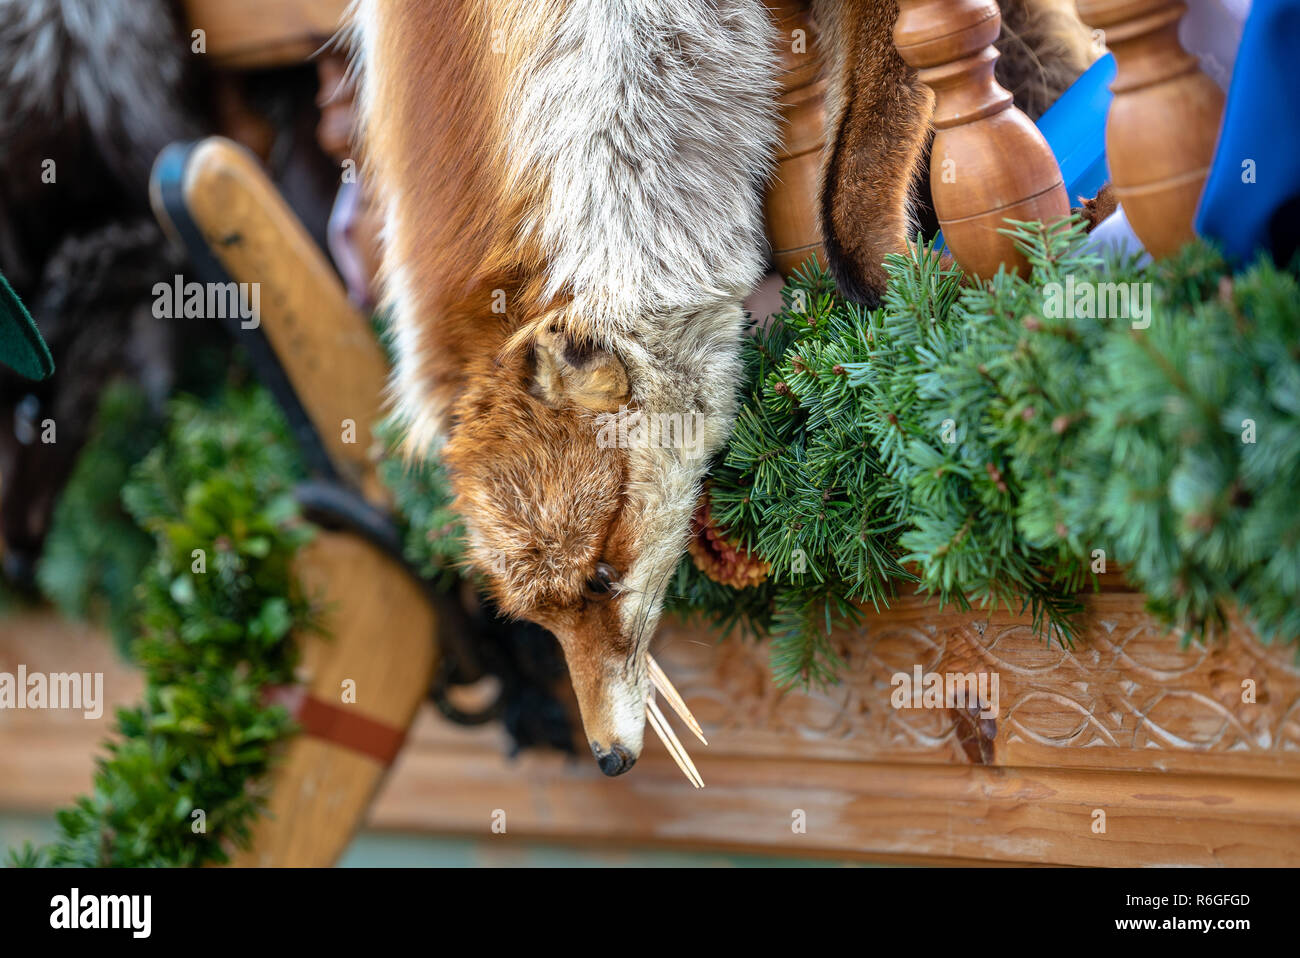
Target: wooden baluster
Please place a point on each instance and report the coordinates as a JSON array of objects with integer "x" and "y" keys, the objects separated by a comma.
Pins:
[
  {"x": 1163, "y": 122},
  {"x": 989, "y": 161},
  {"x": 790, "y": 206}
]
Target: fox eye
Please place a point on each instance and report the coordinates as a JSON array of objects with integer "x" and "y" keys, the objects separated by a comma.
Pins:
[{"x": 601, "y": 584}]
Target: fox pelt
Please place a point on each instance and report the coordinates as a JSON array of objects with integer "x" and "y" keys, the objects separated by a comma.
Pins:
[{"x": 571, "y": 194}]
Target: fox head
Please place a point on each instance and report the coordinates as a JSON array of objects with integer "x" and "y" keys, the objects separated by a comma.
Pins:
[
  {"x": 577, "y": 467},
  {"x": 571, "y": 194}
]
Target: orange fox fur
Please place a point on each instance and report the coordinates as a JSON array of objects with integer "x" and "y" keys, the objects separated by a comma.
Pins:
[{"x": 571, "y": 192}]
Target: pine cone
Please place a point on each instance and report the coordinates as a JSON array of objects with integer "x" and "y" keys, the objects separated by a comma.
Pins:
[
  {"x": 1099, "y": 207},
  {"x": 718, "y": 557}
]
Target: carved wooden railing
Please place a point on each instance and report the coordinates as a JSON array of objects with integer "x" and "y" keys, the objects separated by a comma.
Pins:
[
  {"x": 988, "y": 160},
  {"x": 1127, "y": 751},
  {"x": 790, "y": 206},
  {"x": 1163, "y": 121}
]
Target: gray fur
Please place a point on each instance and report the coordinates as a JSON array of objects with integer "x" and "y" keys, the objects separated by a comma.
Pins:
[
  {"x": 112, "y": 66},
  {"x": 97, "y": 87}
]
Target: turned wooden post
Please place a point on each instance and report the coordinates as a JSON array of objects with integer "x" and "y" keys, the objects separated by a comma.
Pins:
[
  {"x": 989, "y": 162},
  {"x": 1163, "y": 122},
  {"x": 790, "y": 206}
]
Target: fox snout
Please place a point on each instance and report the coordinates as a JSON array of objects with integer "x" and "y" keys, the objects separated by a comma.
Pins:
[
  {"x": 616, "y": 729},
  {"x": 612, "y": 700}
]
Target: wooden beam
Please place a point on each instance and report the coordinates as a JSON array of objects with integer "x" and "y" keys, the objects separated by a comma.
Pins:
[
  {"x": 851, "y": 810},
  {"x": 375, "y": 663},
  {"x": 256, "y": 34}
]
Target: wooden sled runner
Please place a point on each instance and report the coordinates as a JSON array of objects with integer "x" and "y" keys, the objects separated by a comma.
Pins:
[{"x": 326, "y": 368}]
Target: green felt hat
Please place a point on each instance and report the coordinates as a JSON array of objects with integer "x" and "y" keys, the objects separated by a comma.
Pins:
[{"x": 21, "y": 346}]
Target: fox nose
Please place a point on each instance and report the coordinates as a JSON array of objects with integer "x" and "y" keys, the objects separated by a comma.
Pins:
[{"x": 614, "y": 762}]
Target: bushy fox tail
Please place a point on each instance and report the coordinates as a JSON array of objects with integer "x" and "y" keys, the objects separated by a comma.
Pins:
[{"x": 877, "y": 126}]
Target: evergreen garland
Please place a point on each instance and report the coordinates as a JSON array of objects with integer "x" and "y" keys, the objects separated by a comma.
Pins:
[
  {"x": 216, "y": 632},
  {"x": 801, "y": 485},
  {"x": 95, "y": 553},
  {"x": 1002, "y": 454},
  {"x": 936, "y": 406},
  {"x": 1195, "y": 444}
]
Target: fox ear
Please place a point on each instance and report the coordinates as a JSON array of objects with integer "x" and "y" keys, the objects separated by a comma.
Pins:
[{"x": 566, "y": 372}]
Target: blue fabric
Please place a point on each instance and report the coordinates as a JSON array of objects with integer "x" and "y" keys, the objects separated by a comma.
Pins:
[
  {"x": 1075, "y": 128},
  {"x": 1261, "y": 123}
]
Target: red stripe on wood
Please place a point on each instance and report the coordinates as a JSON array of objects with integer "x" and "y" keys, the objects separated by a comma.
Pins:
[{"x": 338, "y": 724}]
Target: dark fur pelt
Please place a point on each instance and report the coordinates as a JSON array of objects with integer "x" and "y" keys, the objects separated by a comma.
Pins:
[
  {"x": 98, "y": 87},
  {"x": 98, "y": 321},
  {"x": 1043, "y": 49}
]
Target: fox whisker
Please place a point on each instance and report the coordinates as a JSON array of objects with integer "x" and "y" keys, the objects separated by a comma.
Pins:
[
  {"x": 672, "y": 743},
  {"x": 669, "y": 691}
]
